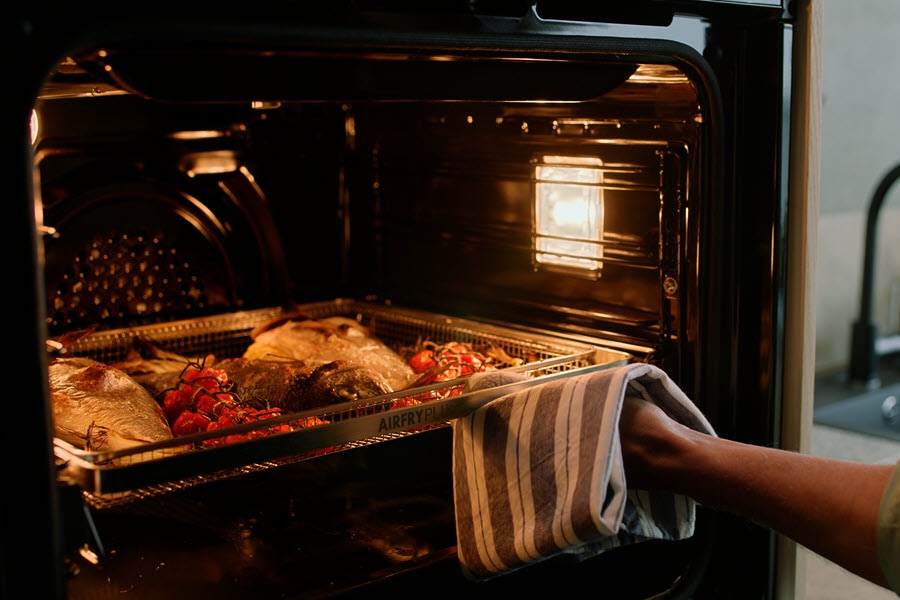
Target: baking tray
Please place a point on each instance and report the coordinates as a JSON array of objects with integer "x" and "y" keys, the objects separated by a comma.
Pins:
[{"x": 111, "y": 478}]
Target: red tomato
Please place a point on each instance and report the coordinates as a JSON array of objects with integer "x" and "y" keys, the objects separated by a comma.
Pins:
[
  {"x": 227, "y": 419},
  {"x": 206, "y": 404},
  {"x": 309, "y": 422},
  {"x": 210, "y": 379},
  {"x": 176, "y": 402},
  {"x": 189, "y": 422},
  {"x": 469, "y": 359},
  {"x": 422, "y": 361},
  {"x": 404, "y": 402}
]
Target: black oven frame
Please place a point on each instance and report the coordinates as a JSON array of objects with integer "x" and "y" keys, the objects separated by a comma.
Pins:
[{"x": 748, "y": 50}]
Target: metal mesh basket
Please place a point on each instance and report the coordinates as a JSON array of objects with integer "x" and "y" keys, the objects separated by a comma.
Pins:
[{"x": 114, "y": 477}]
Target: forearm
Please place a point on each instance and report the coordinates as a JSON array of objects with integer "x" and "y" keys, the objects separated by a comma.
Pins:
[{"x": 836, "y": 516}]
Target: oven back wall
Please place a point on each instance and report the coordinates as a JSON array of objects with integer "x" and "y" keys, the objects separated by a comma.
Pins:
[{"x": 451, "y": 192}]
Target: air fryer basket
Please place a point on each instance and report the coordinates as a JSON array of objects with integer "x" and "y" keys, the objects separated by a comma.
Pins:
[{"x": 114, "y": 477}]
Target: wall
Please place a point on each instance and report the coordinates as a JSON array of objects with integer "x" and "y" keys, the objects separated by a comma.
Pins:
[{"x": 860, "y": 143}]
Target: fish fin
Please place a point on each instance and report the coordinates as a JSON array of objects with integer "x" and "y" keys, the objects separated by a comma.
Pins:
[
  {"x": 61, "y": 344},
  {"x": 291, "y": 314}
]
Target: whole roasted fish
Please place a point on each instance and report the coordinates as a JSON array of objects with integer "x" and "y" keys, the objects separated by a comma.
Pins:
[
  {"x": 286, "y": 383},
  {"x": 98, "y": 407},
  {"x": 295, "y": 385},
  {"x": 330, "y": 339}
]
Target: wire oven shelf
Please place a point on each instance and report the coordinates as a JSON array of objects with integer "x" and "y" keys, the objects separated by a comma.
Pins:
[{"x": 112, "y": 478}]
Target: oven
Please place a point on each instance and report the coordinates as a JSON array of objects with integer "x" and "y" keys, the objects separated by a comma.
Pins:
[{"x": 572, "y": 185}]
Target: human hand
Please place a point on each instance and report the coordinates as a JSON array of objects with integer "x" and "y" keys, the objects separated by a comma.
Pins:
[
  {"x": 652, "y": 445},
  {"x": 798, "y": 495}
]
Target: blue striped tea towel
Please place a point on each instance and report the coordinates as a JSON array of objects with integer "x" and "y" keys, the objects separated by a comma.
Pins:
[{"x": 538, "y": 473}]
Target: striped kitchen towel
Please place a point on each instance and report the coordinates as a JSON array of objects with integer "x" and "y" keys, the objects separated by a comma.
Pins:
[{"x": 538, "y": 473}]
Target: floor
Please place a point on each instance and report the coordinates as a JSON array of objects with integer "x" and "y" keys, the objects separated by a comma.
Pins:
[{"x": 824, "y": 579}]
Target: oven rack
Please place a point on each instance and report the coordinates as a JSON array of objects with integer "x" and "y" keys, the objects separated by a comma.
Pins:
[{"x": 113, "y": 478}]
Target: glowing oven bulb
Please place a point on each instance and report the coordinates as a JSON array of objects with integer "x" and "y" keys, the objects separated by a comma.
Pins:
[
  {"x": 569, "y": 212},
  {"x": 35, "y": 126}
]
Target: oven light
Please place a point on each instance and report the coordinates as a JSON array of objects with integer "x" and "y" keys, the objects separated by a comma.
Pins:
[
  {"x": 569, "y": 212},
  {"x": 198, "y": 134},
  {"x": 35, "y": 126},
  {"x": 209, "y": 163}
]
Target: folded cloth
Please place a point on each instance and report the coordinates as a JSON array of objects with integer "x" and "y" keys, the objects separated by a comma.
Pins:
[{"x": 538, "y": 473}]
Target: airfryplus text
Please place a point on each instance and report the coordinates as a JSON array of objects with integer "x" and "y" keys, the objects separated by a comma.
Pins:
[{"x": 413, "y": 417}]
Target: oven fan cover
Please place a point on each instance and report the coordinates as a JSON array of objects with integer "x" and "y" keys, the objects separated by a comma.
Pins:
[{"x": 137, "y": 251}]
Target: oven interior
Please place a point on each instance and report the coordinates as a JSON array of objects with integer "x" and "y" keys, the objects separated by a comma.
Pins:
[
  {"x": 524, "y": 187},
  {"x": 548, "y": 189}
]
